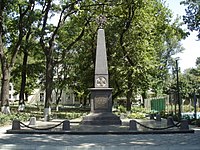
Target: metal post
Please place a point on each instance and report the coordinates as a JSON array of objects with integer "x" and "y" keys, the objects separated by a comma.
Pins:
[
  {"x": 178, "y": 95},
  {"x": 195, "y": 105}
]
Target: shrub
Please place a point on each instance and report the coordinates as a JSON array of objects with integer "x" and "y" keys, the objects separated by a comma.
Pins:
[
  {"x": 4, "y": 119},
  {"x": 165, "y": 114},
  {"x": 20, "y": 116},
  {"x": 62, "y": 115},
  {"x": 188, "y": 108},
  {"x": 136, "y": 116},
  {"x": 139, "y": 109},
  {"x": 7, "y": 119},
  {"x": 121, "y": 109}
]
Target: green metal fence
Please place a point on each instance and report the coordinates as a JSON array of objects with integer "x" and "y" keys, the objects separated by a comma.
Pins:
[{"x": 157, "y": 104}]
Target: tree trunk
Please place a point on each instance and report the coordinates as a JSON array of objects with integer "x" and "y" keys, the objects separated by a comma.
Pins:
[
  {"x": 22, "y": 93},
  {"x": 4, "y": 68},
  {"x": 5, "y": 89},
  {"x": 128, "y": 104},
  {"x": 23, "y": 82},
  {"x": 48, "y": 85},
  {"x": 144, "y": 96},
  {"x": 26, "y": 96},
  {"x": 58, "y": 99},
  {"x": 5, "y": 79},
  {"x": 49, "y": 81},
  {"x": 84, "y": 101},
  {"x": 130, "y": 91}
]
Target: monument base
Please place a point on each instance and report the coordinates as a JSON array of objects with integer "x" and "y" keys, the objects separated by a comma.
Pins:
[{"x": 104, "y": 118}]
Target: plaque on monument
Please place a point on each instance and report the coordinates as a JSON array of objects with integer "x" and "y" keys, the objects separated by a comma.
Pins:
[{"x": 101, "y": 102}]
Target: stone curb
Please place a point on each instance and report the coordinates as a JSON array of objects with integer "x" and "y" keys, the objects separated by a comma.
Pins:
[{"x": 23, "y": 131}]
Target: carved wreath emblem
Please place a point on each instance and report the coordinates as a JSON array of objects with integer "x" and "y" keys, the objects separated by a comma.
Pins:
[{"x": 101, "y": 81}]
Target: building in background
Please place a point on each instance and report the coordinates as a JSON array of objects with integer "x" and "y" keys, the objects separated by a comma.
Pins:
[{"x": 38, "y": 96}]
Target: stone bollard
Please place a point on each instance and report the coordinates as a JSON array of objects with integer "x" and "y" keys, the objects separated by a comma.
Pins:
[
  {"x": 66, "y": 125},
  {"x": 184, "y": 125},
  {"x": 151, "y": 116},
  {"x": 16, "y": 125},
  {"x": 32, "y": 121},
  {"x": 170, "y": 121},
  {"x": 158, "y": 117},
  {"x": 132, "y": 125},
  {"x": 47, "y": 118}
]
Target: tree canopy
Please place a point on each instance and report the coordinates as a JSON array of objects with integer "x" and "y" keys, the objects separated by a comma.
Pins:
[{"x": 57, "y": 39}]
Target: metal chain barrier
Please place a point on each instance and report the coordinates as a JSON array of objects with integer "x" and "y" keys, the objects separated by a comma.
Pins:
[
  {"x": 164, "y": 128},
  {"x": 52, "y": 127},
  {"x": 49, "y": 128}
]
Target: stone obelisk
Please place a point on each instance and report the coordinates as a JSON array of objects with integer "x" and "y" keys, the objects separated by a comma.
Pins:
[{"x": 101, "y": 94}]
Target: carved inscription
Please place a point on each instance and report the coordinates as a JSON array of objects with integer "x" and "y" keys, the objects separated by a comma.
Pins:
[{"x": 101, "y": 102}]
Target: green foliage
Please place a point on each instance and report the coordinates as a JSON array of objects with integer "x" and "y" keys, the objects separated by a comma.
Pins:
[
  {"x": 20, "y": 116},
  {"x": 32, "y": 111},
  {"x": 7, "y": 119},
  {"x": 140, "y": 38},
  {"x": 121, "y": 109},
  {"x": 164, "y": 114},
  {"x": 136, "y": 116},
  {"x": 188, "y": 108},
  {"x": 139, "y": 110},
  {"x": 4, "y": 119},
  {"x": 192, "y": 18},
  {"x": 135, "y": 113},
  {"x": 190, "y": 82},
  {"x": 38, "y": 114},
  {"x": 64, "y": 115}
]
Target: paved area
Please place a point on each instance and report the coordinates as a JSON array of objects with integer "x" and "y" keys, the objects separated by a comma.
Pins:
[{"x": 183, "y": 141}]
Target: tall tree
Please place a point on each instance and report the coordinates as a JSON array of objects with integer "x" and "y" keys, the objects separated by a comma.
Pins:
[
  {"x": 138, "y": 37},
  {"x": 13, "y": 25},
  {"x": 33, "y": 67},
  {"x": 26, "y": 48},
  {"x": 143, "y": 32},
  {"x": 48, "y": 35}
]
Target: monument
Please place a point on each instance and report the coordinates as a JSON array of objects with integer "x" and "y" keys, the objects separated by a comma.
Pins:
[{"x": 101, "y": 94}]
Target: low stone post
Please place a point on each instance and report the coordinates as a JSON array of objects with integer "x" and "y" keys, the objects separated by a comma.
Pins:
[
  {"x": 32, "y": 121},
  {"x": 158, "y": 117},
  {"x": 16, "y": 125},
  {"x": 170, "y": 121},
  {"x": 151, "y": 116},
  {"x": 66, "y": 125},
  {"x": 184, "y": 125},
  {"x": 132, "y": 125}
]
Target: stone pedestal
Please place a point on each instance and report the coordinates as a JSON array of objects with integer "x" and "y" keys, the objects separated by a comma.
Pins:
[
  {"x": 101, "y": 119},
  {"x": 101, "y": 108},
  {"x": 101, "y": 100}
]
